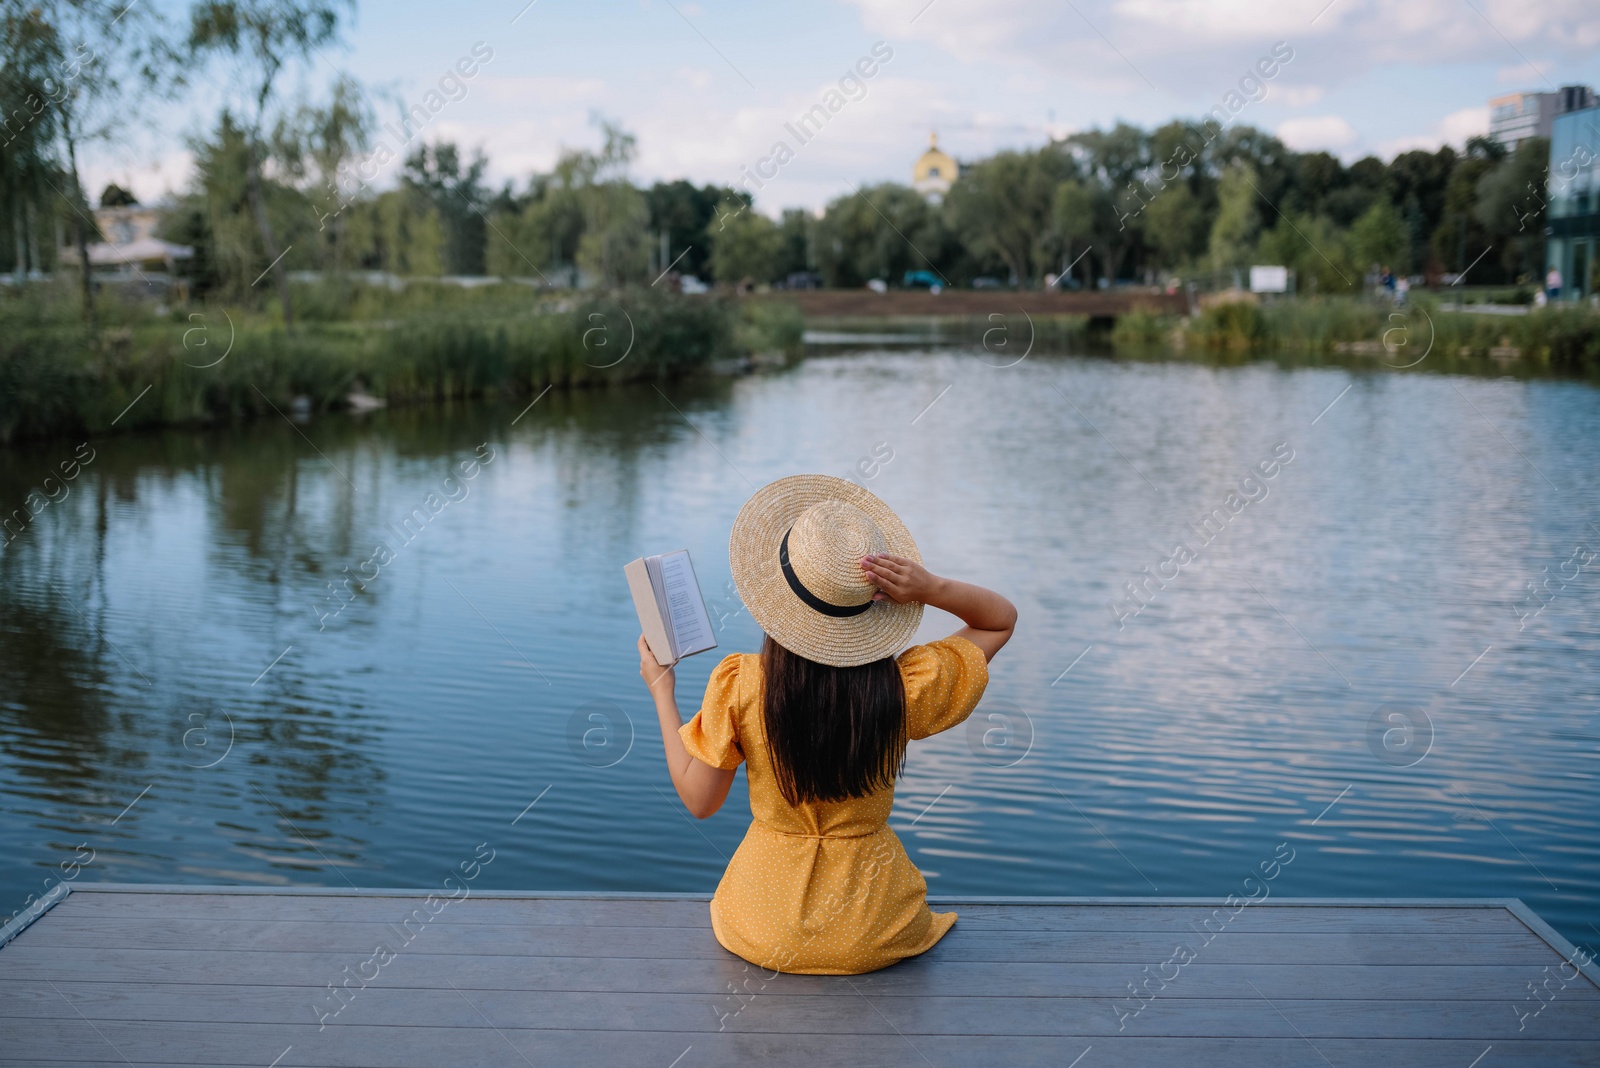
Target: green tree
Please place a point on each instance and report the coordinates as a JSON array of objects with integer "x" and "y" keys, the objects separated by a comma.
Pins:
[
  {"x": 1175, "y": 225},
  {"x": 747, "y": 247},
  {"x": 28, "y": 168},
  {"x": 119, "y": 59},
  {"x": 880, "y": 231},
  {"x": 217, "y": 215},
  {"x": 1081, "y": 217},
  {"x": 1379, "y": 238},
  {"x": 457, "y": 195},
  {"x": 1005, "y": 205},
  {"x": 686, "y": 213},
  {"x": 543, "y": 227},
  {"x": 1233, "y": 233},
  {"x": 1511, "y": 206},
  {"x": 1269, "y": 164},
  {"x": 1366, "y": 181},
  {"x": 1460, "y": 236},
  {"x": 264, "y": 36},
  {"x": 1418, "y": 182},
  {"x": 615, "y": 246},
  {"x": 411, "y": 236},
  {"x": 795, "y": 237},
  {"x": 313, "y": 145},
  {"x": 1315, "y": 250}
]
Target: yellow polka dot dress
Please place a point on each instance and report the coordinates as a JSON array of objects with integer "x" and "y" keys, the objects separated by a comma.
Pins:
[{"x": 826, "y": 888}]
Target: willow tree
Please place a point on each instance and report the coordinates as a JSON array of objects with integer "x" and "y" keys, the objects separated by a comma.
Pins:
[
  {"x": 24, "y": 139},
  {"x": 265, "y": 36},
  {"x": 315, "y": 147},
  {"x": 100, "y": 59}
]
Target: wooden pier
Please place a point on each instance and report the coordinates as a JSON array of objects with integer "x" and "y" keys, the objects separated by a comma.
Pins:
[{"x": 281, "y": 978}]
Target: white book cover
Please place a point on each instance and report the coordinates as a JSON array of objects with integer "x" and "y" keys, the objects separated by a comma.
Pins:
[{"x": 671, "y": 610}]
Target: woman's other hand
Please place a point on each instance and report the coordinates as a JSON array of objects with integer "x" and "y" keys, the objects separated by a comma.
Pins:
[
  {"x": 990, "y": 619},
  {"x": 661, "y": 680},
  {"x": 900, "y": 579}
]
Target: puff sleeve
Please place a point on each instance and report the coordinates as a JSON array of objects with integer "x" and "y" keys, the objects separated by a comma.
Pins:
[
  {"x": 712, "y": 736},
  {"x": 944, "y": 681}
]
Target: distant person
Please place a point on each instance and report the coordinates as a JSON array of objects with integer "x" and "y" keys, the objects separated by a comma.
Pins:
[
  {"x": 1552, "y": 284},
  {"x": 1402, "y": 291},
  {"x": 820, "y": 718},
  {"x": 1386, "y": 280}
]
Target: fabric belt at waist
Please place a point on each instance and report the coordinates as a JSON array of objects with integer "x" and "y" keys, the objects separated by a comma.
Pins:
[{"x": 820, "y": 837}]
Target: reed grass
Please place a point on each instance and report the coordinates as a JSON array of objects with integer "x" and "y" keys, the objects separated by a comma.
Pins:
[{"x": 210, "y": 364}]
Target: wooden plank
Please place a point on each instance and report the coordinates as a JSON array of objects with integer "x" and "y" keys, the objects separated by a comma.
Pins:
[
  {"x": 1124, "y": 1052},
  {"x": 602, "y": 912},
  {"x": 446, "y": 934},
  {"x": 1310, "y": 919},
  {"x": 429, "y": 1047},
  {"x": 1048, "y": 1053},
  {"x": 713, "y": 977},
  {"x": 810, "y": 1013},
  {"x": 200, "y": 976},
  {"x": 694, "y": 913},
  {"x": 559, "y": 972},
  {"x": 1588, "y": 966},
  {"x": 528, "y": 915},
  {"x": 159, "y": 890},
  {"x": 34, "y": 912}
]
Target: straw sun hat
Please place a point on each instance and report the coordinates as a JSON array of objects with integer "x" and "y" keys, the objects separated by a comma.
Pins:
[{"x": 796, "y": 552}]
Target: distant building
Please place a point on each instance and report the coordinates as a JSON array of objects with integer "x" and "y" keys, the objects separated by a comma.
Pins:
[
  {"x": 1572, "y": 219},
  {"x": 934, "y": 172},
  {"x": 131, "y": 245},
  {"x": 1515, "y": 117}
]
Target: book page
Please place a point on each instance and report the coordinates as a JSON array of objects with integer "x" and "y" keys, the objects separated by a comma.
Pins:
[
  {"x": 658, "y": 588},
  {"x": 686, "y": 609}
]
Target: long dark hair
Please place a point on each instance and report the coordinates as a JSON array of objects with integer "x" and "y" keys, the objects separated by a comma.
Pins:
[{"x": 834, "y": 732}]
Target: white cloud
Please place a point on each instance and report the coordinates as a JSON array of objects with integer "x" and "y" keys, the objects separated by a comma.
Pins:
[
  {"x": 1456, "y": 127},
  {"x": 1296, "y": 96},
  {"x": 695, "y": 77},
  {"x": 1328, "y": 132},
  {"x": 1218, "y": 20},
  {"x": 529, "y": 90},
  {"x": 1533, "y": 75},
  {"x": 1453, "y": 130},
  {"x": 1186, "y": 47}
]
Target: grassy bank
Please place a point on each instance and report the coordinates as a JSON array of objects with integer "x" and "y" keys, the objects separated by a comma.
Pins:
[
  {"x": 208, "y": 364},
  {"x": 1560, "y": 340}
]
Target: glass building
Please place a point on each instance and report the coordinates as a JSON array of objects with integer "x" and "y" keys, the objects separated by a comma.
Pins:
[{"x": 1573, "y": 212}]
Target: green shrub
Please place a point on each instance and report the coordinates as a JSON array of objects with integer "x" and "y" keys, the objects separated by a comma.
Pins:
[
  {"x": 1143, "y": 326},
  {"x": 1236, "y": 326},
  {"x": 770, "y": 326}
]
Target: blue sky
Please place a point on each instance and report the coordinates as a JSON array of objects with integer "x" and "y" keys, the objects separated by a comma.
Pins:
[{"x": 707, "y": 86}]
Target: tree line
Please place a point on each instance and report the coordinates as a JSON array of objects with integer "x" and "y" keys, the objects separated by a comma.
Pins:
[{"x": 1185, "y": 201}]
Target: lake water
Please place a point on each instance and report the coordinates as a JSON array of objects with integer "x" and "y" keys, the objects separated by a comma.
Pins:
[{"x": 1347, "y": 659}]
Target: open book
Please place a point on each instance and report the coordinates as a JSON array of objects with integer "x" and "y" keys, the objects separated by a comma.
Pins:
[{"x": 671, "y": 610}]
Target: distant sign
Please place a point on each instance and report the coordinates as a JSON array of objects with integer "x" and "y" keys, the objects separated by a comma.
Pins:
[{"x": 1269, "y": 279}]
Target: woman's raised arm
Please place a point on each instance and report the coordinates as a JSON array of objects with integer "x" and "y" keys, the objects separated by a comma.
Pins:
[
  {"x": 990, "y": 619},
  {"x": 701, "y": 787}
]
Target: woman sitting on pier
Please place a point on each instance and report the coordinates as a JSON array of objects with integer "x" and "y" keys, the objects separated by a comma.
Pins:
[{"x": 822, "y": 716}]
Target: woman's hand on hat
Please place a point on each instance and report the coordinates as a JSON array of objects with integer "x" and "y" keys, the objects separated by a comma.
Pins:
[{"x": 899, "y": 579}]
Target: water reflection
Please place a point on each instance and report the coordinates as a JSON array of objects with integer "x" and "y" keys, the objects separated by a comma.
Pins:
[{"x": 187, "y": 585}]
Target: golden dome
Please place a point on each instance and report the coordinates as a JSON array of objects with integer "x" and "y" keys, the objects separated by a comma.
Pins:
[{"x": 935, "y": 171}]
